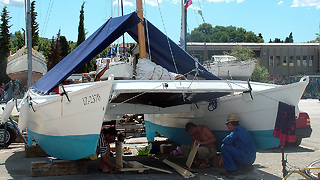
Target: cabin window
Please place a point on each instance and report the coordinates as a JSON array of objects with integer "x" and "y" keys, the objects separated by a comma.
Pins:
[
  {"x": 284, "y": 61},
  {"x": 278, "y": 60},
  {"x": 304, "y": 61},
  {"x": 298, "y": 60},
  {"x": 271, "y": 61},
  {"x": 291, "y": 63}
]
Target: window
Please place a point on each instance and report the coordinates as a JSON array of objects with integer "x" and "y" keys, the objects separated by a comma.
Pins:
[
  {"x": 271, "y": 61},
  {"x": 278, "y": 60},
  {"x": 310, "y": 61},
  {"x": 291, "y": 63},
  {"x": 298, "y": 58},
  {"x": 304, "y": 61},
  {"x": 284, "y": 61}
]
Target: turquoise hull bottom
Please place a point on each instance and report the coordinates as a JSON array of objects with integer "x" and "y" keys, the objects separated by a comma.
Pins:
[
  {"x": 67, "y": 147},
  {"x": 263, "y": 139}
]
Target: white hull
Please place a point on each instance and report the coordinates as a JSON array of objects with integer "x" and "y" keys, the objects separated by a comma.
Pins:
[
  {"x": 241, "y": 70},
  {"x": 117, "y": 69},
  {"x": 257, "y": 115},
  {"x": 17, "y": 66},
  {"x": 61, "y": 127}
]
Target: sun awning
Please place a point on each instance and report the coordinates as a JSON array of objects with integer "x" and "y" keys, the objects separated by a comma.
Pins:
[{"x": 107, "y": 34}]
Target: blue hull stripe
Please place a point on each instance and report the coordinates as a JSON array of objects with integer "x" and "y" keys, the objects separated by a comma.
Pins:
[
  {"x": 263, "y": 139},
  {"x": 67, "y": 147}
]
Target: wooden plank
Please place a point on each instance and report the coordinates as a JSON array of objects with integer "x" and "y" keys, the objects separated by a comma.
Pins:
[
  {"x": 183, "y": 172},
  {"x": 34, "y": 151},
  {"x": 140, "y": 170},
  {"x": 58, "y": 168},
  {"x": 192, "y": 154},
  {"x": 134, "y": 164},
  {"x": 119, "y": 160},
  {"x": 158, "y": 169}
]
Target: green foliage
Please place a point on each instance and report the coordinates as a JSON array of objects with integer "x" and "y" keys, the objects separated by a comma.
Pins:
[
  {"x": 260, "y": 74},
  {"x": 241, "y": 53},
  {"x": 65, "y": 48},
  {"x": 222, "y": 34},
  {"x": 288, "y": 39},
  {"x": 34, "y": 25},
  {"x": 18, "y": 42},
  {"x": 4, "y": 44},
  {"x": 45, "y": 47},
  {"x": 54, "y": 57}
]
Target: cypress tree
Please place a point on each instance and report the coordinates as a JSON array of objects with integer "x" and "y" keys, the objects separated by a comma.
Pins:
[
  {"x": 4, "y": 45},
  {"x": 34, "y": 25}
]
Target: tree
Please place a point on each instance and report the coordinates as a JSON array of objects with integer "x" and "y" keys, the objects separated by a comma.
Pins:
[
  {"x": 81, "y": 31},
  {"x": 18, "y": 42},
  {"x": 65, "y": 48},
  {"x": 260, "y": 74},
  {"x": 289, "y": 39},
  {"x": 241, "y": 53},
  {"x": 4, "y": 44},
  {"x": 34, "y": 25},
  {"x": 222, "y": 34},
  {"x": 54, "y": 57}
]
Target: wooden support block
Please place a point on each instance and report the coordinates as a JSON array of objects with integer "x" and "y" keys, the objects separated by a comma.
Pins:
[
  {"x": 58, "y": 168},
  {"x": 34, "y": 151},
  {"x": 192, "y": 154},
  {"x": 119, "y": 160},
  {"x": 183, "y": 172}
]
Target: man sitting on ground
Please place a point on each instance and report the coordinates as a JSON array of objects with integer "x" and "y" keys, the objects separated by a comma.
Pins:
[
  {"x": 203, "y": 136},
  {"x": 107, "y": 136}
]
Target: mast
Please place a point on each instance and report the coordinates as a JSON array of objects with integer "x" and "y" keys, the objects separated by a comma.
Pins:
[
  {"x": 183, "y": 33},
  {"x": 29, "y": 43},
  {"x": 141, "y": 35}
]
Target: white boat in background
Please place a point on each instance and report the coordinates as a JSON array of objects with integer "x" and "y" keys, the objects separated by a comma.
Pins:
[
  {"x": 117, "y": 67},
  {"x": 228, "y": 67},
  {"x": 17, "y": 66}
]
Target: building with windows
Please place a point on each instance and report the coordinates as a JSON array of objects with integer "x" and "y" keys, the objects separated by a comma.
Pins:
[{"x": 283, "y": 60}]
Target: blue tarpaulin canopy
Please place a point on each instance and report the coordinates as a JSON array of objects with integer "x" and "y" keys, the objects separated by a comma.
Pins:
[{"x": 107, "y": 34}]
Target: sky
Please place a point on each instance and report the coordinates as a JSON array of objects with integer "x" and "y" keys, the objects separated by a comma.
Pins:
[{"x": 272, "y": 18}]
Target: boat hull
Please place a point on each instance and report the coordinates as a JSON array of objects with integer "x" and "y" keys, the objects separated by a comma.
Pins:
[
  {"x": 68, "y": 129},
  {"x": 257, "y": 115},
  {"x": 17, "y": 67},
  {"x": 241, "y": 70}
]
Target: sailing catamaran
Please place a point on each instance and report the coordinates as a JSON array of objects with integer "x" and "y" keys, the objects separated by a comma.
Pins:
[{"x": 70, "y": 122}]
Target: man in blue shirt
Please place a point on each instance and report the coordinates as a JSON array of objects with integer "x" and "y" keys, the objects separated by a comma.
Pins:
[{"x": 238, "y": 148}]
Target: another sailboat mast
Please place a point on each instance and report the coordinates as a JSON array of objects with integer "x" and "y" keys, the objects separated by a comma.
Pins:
[
  {"x": 183, "y": 33},
  {"x": 141, "y": 35},
  {"x": 29, "y": 42}
]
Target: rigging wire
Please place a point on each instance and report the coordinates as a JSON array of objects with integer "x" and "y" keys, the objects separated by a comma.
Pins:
[
  {"x": 147, "y": 28},
  {"x": 174, "y": 62},
  {"x": 46, "y": 20}
]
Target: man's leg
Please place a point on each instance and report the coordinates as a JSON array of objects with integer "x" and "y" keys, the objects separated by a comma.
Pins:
[{"x": 229, "y": 155}]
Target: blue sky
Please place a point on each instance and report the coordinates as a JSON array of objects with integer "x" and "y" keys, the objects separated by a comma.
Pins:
[{"x": 272, "y": 18}]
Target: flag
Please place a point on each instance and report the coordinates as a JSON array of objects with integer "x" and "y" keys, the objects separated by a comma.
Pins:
[{"x": 188, "y": 3}]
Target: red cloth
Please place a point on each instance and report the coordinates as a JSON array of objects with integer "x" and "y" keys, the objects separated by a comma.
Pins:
[{"x": 285, "y": 126}]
